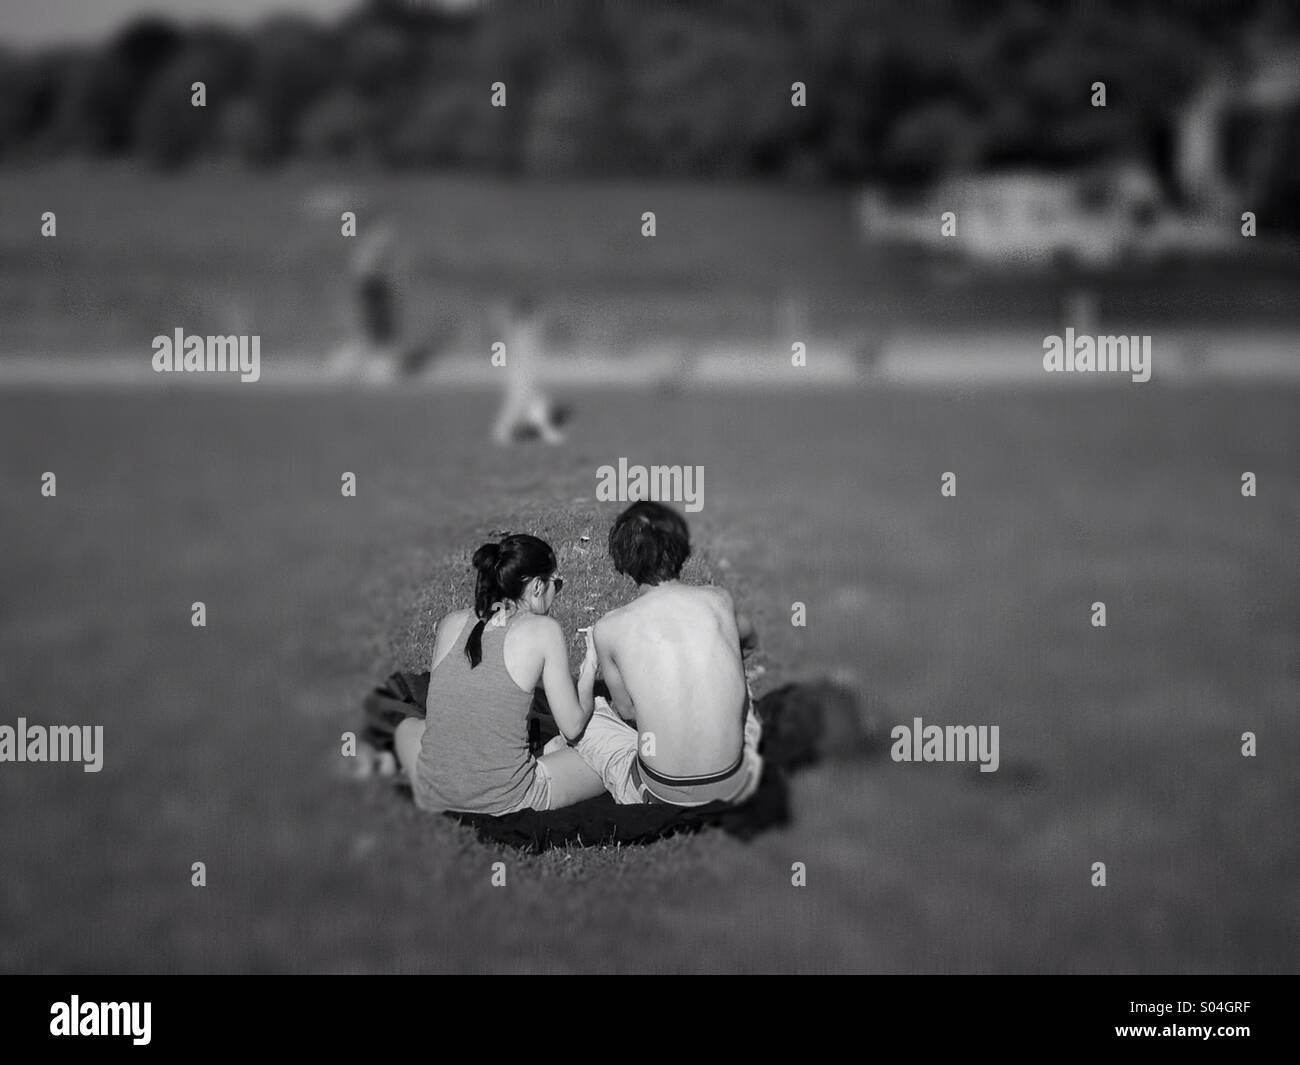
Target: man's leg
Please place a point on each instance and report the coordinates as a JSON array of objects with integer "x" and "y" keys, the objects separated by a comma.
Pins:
[{"x": 609, "y": 747}]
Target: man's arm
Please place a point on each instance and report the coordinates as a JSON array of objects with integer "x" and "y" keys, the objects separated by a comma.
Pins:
[
  {"x": 745, "y": 630},
  {"x": 618, "y": 693}
]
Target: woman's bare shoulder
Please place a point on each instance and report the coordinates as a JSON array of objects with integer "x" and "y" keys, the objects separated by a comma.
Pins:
[
  {"x": 455, "y": 619},
  {"x": 448, "y": 632},
  {"x": 537, "y": 630},
  {"x": 537, "y": 624},
  {"x": 451, "y": 626}
]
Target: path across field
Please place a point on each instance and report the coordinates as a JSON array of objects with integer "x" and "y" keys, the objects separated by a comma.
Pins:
[{"x": 907, "y": 358}]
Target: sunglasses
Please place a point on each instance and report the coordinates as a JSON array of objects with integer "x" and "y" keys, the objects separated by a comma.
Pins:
[{"x": 556, "y": 582}]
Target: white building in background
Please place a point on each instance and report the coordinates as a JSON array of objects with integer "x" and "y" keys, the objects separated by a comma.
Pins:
[
  {"x": 1237, "y": 143},
  {"x": 1027, "y": 217}
]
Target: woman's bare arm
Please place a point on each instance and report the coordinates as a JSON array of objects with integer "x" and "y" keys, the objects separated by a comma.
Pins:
[{"x": 570, "y": 707}]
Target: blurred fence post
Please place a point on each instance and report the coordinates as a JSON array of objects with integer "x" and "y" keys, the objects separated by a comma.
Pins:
[
  {"x": 1080, "y": 309},
  {"x": 791, "y": 315}
]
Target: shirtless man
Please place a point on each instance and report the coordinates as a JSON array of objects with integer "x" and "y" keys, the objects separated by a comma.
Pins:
[{"x": 672, "y": 660}]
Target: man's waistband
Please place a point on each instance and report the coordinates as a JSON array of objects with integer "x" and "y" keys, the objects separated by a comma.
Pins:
[{"x": 689, "y": 791}]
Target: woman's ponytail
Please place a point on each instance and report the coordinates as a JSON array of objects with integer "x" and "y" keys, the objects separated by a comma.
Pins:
[
  {"x": 487, "y": 590},
  {"x": 503, "y": 571}
]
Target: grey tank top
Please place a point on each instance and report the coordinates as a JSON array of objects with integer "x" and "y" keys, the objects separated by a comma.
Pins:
[{"x": 474, "y": 755}]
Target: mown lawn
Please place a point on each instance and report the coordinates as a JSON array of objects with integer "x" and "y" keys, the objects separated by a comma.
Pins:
[
  {"x": 1119, "y": 745},
  {"x": 233, "y": 251}
]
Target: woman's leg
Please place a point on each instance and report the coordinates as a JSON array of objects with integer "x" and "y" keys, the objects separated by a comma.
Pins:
[
  {"x": 406, "y": 743},
  {"x": 609, "y": 748},
  {"x": 572, "y": 780}
]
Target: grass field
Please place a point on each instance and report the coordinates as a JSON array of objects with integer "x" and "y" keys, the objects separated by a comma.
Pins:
[
  {"x": 229, "y": 251},
  {"x": 1119, "y": 745}
]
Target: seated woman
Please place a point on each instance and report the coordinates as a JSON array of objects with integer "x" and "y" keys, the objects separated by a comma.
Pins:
[{"x": 470, "y": 753}]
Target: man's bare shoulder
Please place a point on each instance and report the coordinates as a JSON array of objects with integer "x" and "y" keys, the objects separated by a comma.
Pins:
[
  {"x": 627, "y": 616},
  {"x": 713, "y": 594},
  {"x": 613, "y": 621}
]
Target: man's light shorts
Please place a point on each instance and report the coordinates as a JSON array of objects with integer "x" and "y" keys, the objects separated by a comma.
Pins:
[{"x": 610, "y": 747}]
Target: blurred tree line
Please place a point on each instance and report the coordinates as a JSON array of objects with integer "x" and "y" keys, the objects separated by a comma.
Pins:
[{"x": 896, "y": 90}]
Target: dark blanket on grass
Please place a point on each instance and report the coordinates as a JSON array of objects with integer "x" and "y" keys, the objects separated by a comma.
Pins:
[{"x": 797, "y": 719}]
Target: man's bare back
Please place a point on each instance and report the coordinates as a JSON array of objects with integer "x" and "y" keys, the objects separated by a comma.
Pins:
[{"x": 672, "y": 661}]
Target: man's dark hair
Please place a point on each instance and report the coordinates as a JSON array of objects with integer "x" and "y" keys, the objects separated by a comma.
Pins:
[{"x": 650, "y": 543}]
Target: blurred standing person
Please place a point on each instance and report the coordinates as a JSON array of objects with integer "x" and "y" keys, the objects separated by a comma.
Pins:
[
  {"x": 373, "y": 350},
  {"x": 525, "y": 410}
]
